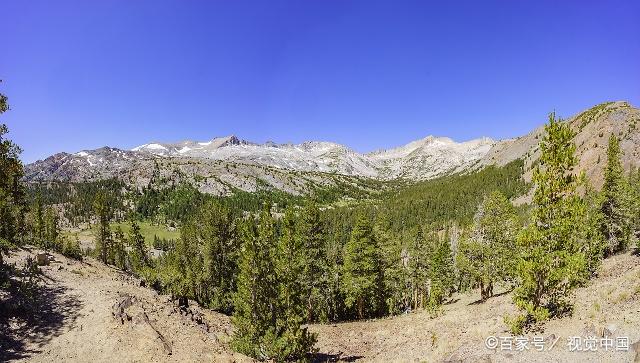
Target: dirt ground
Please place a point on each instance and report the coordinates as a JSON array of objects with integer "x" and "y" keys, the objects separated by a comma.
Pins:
[{"x": 91, "y": 312}]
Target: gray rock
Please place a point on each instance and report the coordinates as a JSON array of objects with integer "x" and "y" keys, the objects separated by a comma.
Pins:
[{"x": 42, "y": 259}]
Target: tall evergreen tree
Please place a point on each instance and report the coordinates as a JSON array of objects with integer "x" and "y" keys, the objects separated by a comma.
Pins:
[
  {"x": 591, "y": 241},
  {"x": 255, "y": 301},
  {"x": 51, "y": 228},
  {"x": 38, "y": 222},
  {"x": 103, "y": 212},
  {"x": 362, "y": 270},
  {"x": 314, "y": 276},
  {"x": 551, "y": 264},
  {"x": 12, "y": 194},
  {"x": 616, "y": 225},
  {"x": 418, "y": 260},
  {"x": 634, "y": 189},
  {"x": 214, "y": 230},
  {"x": 289, "y": 341},
  {"x": 139, "y": 258},
  {"x": 118, "y": 252},
  {"x": 395, "y": 257},
  {"x": 441, "y": 273},
  {"x": 486, "y": 256}
]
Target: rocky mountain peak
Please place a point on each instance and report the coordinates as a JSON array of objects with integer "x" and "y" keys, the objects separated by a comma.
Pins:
[{"x": 225, "y": 158}]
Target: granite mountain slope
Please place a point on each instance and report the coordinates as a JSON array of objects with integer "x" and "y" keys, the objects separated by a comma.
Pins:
[{"x": 219, "y": 165}]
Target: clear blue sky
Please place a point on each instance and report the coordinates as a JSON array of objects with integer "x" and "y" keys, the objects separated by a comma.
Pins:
[{"x": 369, "y": 74}]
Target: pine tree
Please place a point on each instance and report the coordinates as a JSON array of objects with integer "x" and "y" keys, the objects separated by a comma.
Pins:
[
  {"x": 417, "y": 260},
  {"x": 634, "y": 190},
  {"x": 38, "y": 223},
  {"x": 71, "y": 248},
  {"x": 51, "y": 228},
  {"x": 362, "y": 270},
  {"x": 139, "y": 258},
  {"x": 616, "y": 226},
  {"x": 289, "y": 341},
  {"x": 103, "y": 212},
  {"x": 441, "y": 273},
  {"x": 486, "y": 256},
  {"x": 12, "y": 194},
  {"x": 338, "y": 235},
  {"x": 551, "y": 264},
  {"x": 118, "y": 253},
  {"x": 256, "y": 298},
  {"x": 395, "y": 257},
  {"x": 214, "y": 229},
  {"x": 314, "y": 277}
]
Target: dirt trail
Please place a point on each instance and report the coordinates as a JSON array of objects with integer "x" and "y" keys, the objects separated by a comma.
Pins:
[{"x": 80, "y": 325}]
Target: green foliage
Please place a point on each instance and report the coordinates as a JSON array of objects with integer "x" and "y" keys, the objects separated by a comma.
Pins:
[
  {"x": 616, "y": 206},
  {"x": 593, "y": 113},
  {"x": 551, "y": 262},
  {"x": 71, "y": 248},
  {"x": 215, "y": 231},
  {"x": 202, "y": 264},
  {"x": 418, "y": 261},
  {"x": 634, "y": 196},
  {"x": 138, "y": 254},
  {"x": 78, "y": 198},
  {"x": 486, "y": 255},
  {"x": 51, "y": 228},
  {"x": 309, "y": 231},
  {"x": 450, "y": 198},
  {"x": 397, "y": 277},
  {"x": 590, "y": 241},
  {"x": 441, "y": 274},
  {"x": 12, "y": 193},
  {"x": 288, "y": 340},
  {"x": 362, "y": 270},
  {"x": 255, "y": 312},
  {"x": 118, "y": 252},
  {"x": 103, "y": 239},
  {"x": 166, "y": 201}
]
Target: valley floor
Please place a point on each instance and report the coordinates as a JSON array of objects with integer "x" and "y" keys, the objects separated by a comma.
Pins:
[{"x": 91, "y": 312}]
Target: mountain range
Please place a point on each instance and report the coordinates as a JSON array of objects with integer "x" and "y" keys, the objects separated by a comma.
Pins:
[{"x": 223, "y": 163}]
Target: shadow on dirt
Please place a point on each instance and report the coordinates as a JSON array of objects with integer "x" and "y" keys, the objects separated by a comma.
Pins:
[
  {"x": 33, "y": 310},
  {"x": 330, "y": 357},
  {"x": 480, "y": 301}
]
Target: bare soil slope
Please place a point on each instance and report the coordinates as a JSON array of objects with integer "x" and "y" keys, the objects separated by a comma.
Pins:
[{"x": 90, "y": 312}]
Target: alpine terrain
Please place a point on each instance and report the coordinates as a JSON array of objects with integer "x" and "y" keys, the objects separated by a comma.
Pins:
[{"x": 222, "y": 164}]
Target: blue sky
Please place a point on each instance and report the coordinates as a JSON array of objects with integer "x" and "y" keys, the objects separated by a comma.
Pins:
[{"x": 369, "y": 74}]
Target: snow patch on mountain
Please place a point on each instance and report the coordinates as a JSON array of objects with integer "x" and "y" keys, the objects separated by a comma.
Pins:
[{"x": 421, "y": 159}]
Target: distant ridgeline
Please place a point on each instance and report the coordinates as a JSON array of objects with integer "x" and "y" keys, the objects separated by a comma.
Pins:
[{"x": 407, "y": 204}]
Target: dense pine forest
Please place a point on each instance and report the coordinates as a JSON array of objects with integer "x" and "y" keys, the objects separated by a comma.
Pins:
[{"x": 276, "y": 262}]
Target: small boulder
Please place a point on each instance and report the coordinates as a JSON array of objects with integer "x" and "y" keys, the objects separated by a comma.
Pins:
[
  {"x": 42, "y": 259},
  {"x": 118, "y": 309}
]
